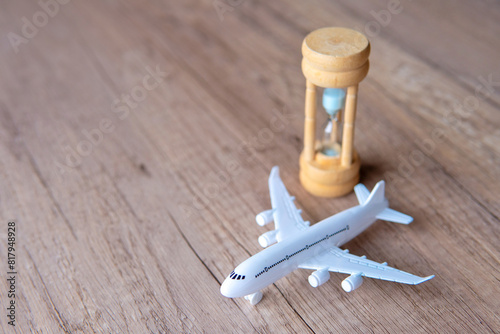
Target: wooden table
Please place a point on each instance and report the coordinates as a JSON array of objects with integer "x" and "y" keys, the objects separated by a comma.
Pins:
[{"x": 136, "y": 139}]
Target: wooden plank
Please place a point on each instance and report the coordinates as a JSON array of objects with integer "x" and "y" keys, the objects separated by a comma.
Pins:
[{"x": 452, "y": 45}]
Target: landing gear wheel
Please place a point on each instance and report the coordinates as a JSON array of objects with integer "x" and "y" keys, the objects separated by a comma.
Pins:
[{"x": 254, "y": 298}]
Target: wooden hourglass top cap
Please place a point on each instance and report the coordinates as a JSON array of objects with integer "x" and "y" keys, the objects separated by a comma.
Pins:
[{"x": 336, "y": 49}]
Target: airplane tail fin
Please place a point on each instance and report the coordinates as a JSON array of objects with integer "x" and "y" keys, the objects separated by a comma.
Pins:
[
  {"x": 378, "y": 195},
  {"x": 365, "y": 197}
]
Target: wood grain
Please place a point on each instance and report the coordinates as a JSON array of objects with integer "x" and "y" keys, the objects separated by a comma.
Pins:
[{"x": 138, "y": 233}]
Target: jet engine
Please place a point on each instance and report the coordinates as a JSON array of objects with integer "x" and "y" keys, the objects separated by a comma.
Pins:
[
  {"x": 352, "y": 282},
  {"x": 267, "y": 239},
  {"x": 265, "y": 217},
  {"x": 319, "y": 277}
]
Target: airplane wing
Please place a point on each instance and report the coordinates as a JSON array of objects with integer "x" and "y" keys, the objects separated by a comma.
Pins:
[
  {"x": 287, "y": 219},
  {"x": 340, "y": 261}
]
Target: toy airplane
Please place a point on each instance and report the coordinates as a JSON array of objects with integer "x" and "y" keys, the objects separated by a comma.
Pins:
[{"x": 314, "y": 247}]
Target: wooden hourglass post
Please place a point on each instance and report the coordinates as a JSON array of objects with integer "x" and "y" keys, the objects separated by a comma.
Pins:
[
  {"x": 332, "y": 58},
  {"x": 348, "y": 134},
  {"x": 310, "y": 122}
]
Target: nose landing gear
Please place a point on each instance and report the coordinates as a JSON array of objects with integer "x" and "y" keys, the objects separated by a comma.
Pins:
[{"x": 254, "y": 298}]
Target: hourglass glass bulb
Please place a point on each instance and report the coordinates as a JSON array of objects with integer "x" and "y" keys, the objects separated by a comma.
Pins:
[
  {"x": 330, "y": 143},
  {"x": 333, "y": 102}
]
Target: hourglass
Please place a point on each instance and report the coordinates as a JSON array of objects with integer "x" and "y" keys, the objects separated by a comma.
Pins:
[{"x": 337, "y": 60}]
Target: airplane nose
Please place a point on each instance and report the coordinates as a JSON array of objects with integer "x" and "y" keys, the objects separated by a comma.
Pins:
[{"x": 225, "y": 289}]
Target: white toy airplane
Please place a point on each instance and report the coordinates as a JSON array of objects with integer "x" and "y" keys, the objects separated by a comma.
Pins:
[{"x": 314, "y": 247}]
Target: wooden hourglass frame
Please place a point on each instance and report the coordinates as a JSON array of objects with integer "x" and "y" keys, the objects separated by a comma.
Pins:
[{"x": 332, "y": 58}]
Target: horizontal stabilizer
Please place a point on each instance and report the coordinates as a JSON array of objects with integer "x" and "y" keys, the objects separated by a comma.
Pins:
[
  {"x": 361, "y": 193},
  {"x": 394, "y": 216}
]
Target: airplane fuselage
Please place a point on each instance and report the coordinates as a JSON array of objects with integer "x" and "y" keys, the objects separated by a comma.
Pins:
[{"x": 278, "y": 260}]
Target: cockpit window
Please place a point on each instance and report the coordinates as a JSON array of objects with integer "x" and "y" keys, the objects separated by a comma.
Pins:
[{"x": 235, "y": 276}]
